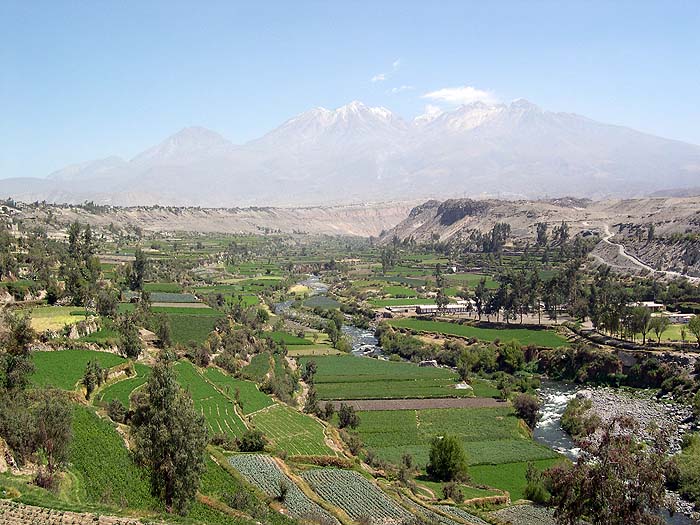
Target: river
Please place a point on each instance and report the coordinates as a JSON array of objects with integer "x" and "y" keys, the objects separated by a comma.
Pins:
[{"x": 554, "y": 396}]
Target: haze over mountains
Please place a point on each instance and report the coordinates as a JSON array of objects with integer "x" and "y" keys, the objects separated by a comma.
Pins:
[{"x": 358, "y": 153}]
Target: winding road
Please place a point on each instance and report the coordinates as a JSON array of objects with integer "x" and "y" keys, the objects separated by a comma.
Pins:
[{"x": 636, "y": 262}]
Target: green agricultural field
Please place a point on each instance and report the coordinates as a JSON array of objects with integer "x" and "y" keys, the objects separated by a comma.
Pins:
[
  {"x": 286, "y": 338},
  {"x": 381, "y": 303},
  {"x": 322, "y": 302},
  {"x": 292, "y": 431},
  {"x": 509, "y": 477},
  {"x": 399, "y": 291},
  {"x": 250, "y": 398},
  {"x": 101, "y": 466},
  {"x": 192, "y": 327},
  {"x": 525, "y": 336},
  {"x": 489, "y": 435},
  {"x": 106, "y": 334},
  {"x": 471, "y": 280},
  {"x": 122, "y": 390},
  {"x": 55, "y": 317},
  {"x": 258, "y": 368},
  {"x": 468, "y": 491},
  {"x": 64, "y": 368},
  {"x": 350, "y": 377},
  {"x": 218, "y": 410},
  {"x": 173, "y": 288}
]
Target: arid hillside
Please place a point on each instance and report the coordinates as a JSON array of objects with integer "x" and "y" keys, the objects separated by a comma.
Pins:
[
  {"x": 355, "y": 219},
  {"x": 661, "y": 233}
]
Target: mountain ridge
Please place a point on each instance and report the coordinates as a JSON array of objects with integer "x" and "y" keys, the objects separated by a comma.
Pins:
[{"x": 358, "y": 153}]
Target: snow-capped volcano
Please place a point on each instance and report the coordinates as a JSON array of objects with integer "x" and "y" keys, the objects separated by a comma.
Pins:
[{"x": 359, "y": 153}]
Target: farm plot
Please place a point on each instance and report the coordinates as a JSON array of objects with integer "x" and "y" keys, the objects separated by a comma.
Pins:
[
  {"x": 359, "y": 498},
  {"x": 292, "y": 431},
  {"x": 284, "y": 337},
  {"x": 490, "y": 435},
  {"x": 250, "y": 399},
  {"x": 55, "y": 317},
  {"x": 264, "y": 473},
  {"x": 64, "y": 368},
  {"x": 351, "y": 377},
  {"x": 188, "y": 327},
  {"x": 461, "y": 514},
  {"x": 217, "y": 409},
  {"x": 430, "y": 516},
  {"x": 102, "y": 466},
  {"x": 122, "y": 390},
  {"x": 525, "y": 336}
]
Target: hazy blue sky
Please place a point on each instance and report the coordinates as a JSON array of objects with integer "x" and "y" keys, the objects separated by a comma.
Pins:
[{"x": 85, "y": 79}]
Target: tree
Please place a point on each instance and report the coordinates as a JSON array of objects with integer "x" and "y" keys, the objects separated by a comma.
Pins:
[
  {"x": 658, "y": 325},
  {"x": 130, "y": 345},
  {"x": 541, "y": 233},
  {"x": 527, "y": 408},
  {"x": 262, "y": 315},
  {"x": 694, "y": 327},
  {"x": 311, "y": 403},
  {"x": 481, "y": 297},
  {"x": 511, "y": 357},
  {"x": 169, "y": 437},
  {"x": 54, "y": 419},
  {"x": 333, "y": 333},
  {"x": 308, "y": 372},
  {"x": 15, "y": 357},
  {"x": 624, "y": 485},
  {"x": 116, "y": 411},
  {"x": 92, "y": 378},
  {"x": 347, "y": 416},
  {"x": 640, "y": 320},
  {"x": 106, "y": 303},
  {"x": 163, "y": 332},
  {"x": 139, "y": 267},
  {"x": 448, "y": 461}
]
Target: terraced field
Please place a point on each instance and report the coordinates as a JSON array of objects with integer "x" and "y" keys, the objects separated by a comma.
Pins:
[
  {"x": 359, "y": 498},
  {"x": 217, "y": 409},
  {"x": 250, "y": 398},
  {"x": 264, "y": 473},
  {"x": 122, "y": 390},
  {"x": 350, "y": 377},
  {"x": 292, "y": 431},
  {"x": 63, "y": 369},
  {"x": 490, "y": 435}
]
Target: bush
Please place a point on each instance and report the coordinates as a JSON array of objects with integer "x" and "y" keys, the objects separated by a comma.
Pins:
[
  {"x": 251, "y": 441},
  {"x": 453, "y": 491},
  {"x": 535, "y": 489},
  {"x": 527, "y": 408},
  {"x": 116, "y": 411}
]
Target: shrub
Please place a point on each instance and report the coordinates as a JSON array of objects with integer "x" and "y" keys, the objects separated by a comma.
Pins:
[
  {"x": 453, "y": 491},
  {"x": 251, "y": 441},
  {"x": 527, "y": 408},
  {"x": 116, "y": 411}
]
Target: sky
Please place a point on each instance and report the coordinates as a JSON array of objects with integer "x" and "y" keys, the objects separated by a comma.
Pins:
[{"x": 82, "y": 80}]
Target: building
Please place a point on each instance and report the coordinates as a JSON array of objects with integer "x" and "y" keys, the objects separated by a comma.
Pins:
[
  {"x": 450, "y": 309},
  {"x": 649, "y": 305}
]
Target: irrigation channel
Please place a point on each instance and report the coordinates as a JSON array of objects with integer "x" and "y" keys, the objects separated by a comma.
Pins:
[{"x": 554, "y": 395}]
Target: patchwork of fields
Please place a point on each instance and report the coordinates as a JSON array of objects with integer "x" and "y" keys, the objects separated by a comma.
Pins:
[
  {"x": 350, "y": 377},
  {"x": 489, "y": 435}
]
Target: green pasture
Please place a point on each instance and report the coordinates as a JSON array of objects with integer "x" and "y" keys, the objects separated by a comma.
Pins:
[{"x": 525, "y": 336}]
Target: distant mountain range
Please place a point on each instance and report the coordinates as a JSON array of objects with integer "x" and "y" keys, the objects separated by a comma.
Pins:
[{"x": 358, "y": 153}]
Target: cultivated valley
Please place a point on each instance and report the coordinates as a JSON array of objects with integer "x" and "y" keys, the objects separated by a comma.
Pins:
[{"x": 446, "y": 367}]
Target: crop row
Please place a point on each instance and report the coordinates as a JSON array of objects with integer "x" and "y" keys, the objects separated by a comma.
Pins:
[
  {"x": 12, "y": 513},
  {"x": 359, "y": 498},
  {"x": 462, "y": 514},
  {"x": 263, "y": 472},
  {"x": 292, "y": 431}
]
